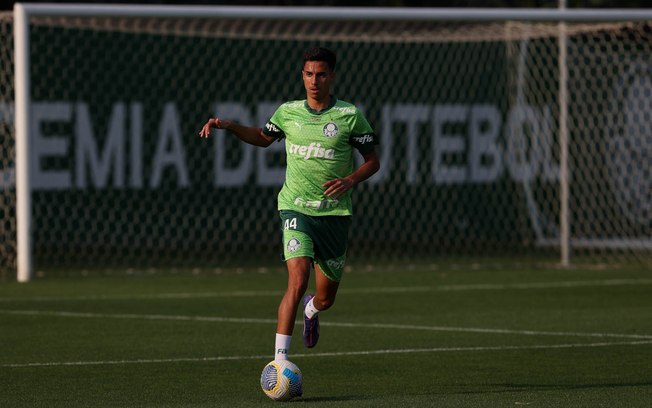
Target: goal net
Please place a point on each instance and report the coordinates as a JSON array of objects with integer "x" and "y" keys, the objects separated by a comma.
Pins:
[{"x": 467, "y": 114}]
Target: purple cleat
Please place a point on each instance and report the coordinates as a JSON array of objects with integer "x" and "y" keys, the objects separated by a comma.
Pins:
[{"x": 310, "y": 326}]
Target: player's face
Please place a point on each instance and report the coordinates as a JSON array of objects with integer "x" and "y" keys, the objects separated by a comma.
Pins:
[{"x": 317, "y": 79}]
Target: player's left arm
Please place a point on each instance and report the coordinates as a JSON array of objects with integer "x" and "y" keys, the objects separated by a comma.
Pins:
[{"x": 337, "y": 187}]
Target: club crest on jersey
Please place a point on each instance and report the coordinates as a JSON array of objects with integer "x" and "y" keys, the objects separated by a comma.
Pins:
[
  {"x": 294, "y": 245},
  {"x": 330, "y": 129}
]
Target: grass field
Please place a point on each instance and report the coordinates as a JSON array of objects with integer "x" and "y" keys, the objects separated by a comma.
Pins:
[{"x": 430, "y": 336}]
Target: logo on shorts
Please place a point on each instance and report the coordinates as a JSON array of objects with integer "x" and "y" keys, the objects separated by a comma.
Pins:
[
  {"x": 330, "y": 129},
  {"x": 335, "y": 264},
  {"x": 294, "y": 245}
]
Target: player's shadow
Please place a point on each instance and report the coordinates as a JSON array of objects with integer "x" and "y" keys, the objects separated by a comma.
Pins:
[
  {"x": 331, "y": 399},
  {"x": 512, "y": 387}
]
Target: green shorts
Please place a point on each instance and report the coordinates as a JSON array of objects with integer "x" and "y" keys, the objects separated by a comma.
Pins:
[{"x": 323, "y": 238}]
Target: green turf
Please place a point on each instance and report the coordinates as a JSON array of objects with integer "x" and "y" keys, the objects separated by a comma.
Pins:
[{"x": 423, "y": 336}]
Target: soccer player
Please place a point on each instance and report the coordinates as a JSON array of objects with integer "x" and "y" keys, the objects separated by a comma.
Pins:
[{"x": 315, "y": 201}]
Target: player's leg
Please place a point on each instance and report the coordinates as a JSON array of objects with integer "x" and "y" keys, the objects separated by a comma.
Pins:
[
  {"x": 330, "y": 255},
  {"x": 327, "y": 281},
  {"x": 326, "y": 290},
  {"x": 298, "y": 276},
  {"x": 298, "y": 253},
  {"x": 324, "y": 298}
]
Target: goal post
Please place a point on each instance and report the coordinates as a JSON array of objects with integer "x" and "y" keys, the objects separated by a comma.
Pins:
[
  {"x": 22, "y": 123},
  {"x": 520, "y": 132}
]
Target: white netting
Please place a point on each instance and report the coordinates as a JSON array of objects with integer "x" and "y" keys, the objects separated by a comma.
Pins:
[
  {"x": 467, "y": 115},
  {"x": 7, "y": 152}
]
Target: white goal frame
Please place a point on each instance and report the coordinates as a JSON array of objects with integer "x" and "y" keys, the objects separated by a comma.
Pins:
[{"x": 22, "y": 13}]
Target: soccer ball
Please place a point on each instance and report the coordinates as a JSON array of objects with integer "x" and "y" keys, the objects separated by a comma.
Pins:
[{"x": 281, "y": 380}]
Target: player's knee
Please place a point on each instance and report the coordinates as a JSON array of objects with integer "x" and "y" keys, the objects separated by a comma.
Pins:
[
  {"x": 324, "y": 302},
  {"x": 298, "y": 276},
  {"x": 297, "y": 287}
]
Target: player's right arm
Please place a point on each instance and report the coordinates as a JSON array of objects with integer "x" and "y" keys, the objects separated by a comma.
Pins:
[{"x": 247, "y": 134}]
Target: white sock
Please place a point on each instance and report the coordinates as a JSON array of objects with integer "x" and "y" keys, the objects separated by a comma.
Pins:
[
  {"x": 310, "y": 309},
  {"x": 282, "y": 346}
]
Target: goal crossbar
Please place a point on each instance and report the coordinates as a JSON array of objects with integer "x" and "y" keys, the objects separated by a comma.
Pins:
[{"x": 338, "y": 13}]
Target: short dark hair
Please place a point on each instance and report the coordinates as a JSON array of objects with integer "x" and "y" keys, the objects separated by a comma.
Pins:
[{"x": 320, "y": 54}]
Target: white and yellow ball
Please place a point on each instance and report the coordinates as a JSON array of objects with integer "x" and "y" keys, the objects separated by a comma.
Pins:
[{"x": 281, "y": 380}]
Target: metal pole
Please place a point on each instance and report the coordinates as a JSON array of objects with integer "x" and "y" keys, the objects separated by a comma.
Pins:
[
  {"x": 23, "y": 187},
  {"x": 564, "y": 189},
  {"x": 340, "y": 13}
]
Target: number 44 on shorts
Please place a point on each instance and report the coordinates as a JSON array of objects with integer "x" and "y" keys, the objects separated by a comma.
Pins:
[{"x": 290, "y": 223}]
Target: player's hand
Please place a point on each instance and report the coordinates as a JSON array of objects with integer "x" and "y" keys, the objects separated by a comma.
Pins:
[
  {"x": 336, "y": 187},
  {"x": 212, "y": 123}
]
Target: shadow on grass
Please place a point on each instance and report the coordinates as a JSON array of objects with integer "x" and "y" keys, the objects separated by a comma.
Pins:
[
  {"x": 511, "y": 387},
  {"x": 340, "y": 398}
]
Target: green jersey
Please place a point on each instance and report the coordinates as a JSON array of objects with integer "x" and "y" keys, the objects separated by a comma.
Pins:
[{"x": 319, "y": 147}]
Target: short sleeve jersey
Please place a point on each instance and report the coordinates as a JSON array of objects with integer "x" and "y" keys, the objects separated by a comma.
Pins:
[{"x": 319, "y": 147}]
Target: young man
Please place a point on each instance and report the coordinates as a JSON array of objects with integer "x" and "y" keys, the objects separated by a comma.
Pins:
[{"x": 315, "y": 202}]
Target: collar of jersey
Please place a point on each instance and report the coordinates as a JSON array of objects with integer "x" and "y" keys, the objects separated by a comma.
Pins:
[{"x": 314, "y": 112}]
